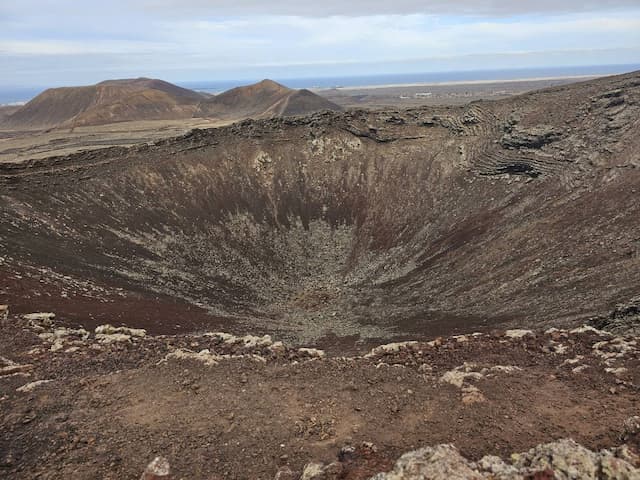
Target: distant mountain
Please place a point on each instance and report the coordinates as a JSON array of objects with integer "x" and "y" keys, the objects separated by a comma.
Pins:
[
  {"x": 264, "y": 99},
  {"x": 6, "y": 110},
  {"x": 106, "y": 102},
  {"x": 114, "y": 101}
]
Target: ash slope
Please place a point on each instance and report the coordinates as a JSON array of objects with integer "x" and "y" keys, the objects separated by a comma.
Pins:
[{"x": 377, "y": 224}]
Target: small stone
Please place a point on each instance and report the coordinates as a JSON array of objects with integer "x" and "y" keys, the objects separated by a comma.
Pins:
[
  {"x": 347, "y": 453},
  {"x": 517, "y": 333},
  {"x": 631, "y": 427},
  {"x": 158, "y": 469},
  {"x": 285, "y": 473},
  {"x": 112, "y": 338},
  {"x": 30, "y": 387},
  {"x": 4, "y": 313},
  {"x": 312, "y": 352},
  {"x": 312, "y": 471},
  {"x": 111, "y": 330},
  {"x": 471, "y": 395}
]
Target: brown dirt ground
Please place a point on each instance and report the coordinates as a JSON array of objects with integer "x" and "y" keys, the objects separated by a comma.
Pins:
[{"x": 112, "y": 408}]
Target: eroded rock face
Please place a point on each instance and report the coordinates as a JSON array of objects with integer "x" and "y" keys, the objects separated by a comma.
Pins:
[
  {"x": 535, "y": 137},
  {"x": 623, "y": 320}
]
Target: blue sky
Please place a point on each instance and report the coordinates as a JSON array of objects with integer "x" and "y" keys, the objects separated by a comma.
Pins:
[{"x": 69, "y": 42}]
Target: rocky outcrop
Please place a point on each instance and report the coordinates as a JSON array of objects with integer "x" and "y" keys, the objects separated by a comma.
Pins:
[
  {"x": 623, "y": 320},
  {"x": 561, "y": 460},
  {"x": 442, "y": 462},
  {"x": 534, "y": 137}
]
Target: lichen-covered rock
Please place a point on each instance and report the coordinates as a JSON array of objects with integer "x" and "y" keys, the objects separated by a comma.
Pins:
[
  {"x": 111, "y": 330},
  {"x": 565, "y": 458},
  {"x": 497, "y": 467},
  {"x": 312, "y": 352},
  {"x": 313, "y": 471},
  {"x": 631, "y": 427},
  {"x": 459, "y": 375},
  {"x": 319, "y": 471},
  {"x": 442, "y": 462},
  {"x": 517, "y": 333},
  {"x": 571, "y": 461},
  {"x": 391, "y": 348},
  {"x": 30, "y": 387},
  {"x": 158, "y": 469},
  {"x": 285, "y": 473},
  {"x": 204, "y": 356},
  {"x": 45, "y": 317},
  {"x": 106, "y": 339},
  {"x": 561, "y": 460}
]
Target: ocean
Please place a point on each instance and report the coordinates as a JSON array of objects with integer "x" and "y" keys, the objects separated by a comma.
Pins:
[{"x": 10, "y": 95}]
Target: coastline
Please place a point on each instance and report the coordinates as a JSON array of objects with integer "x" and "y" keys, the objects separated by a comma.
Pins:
[{"x": 460, "y": 82}]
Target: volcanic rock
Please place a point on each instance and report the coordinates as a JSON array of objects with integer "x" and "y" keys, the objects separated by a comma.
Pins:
[{"x": 158, "y": 469}]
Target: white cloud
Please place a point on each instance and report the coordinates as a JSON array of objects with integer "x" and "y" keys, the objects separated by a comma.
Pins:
[
  {"x": 155, "y": 36},
  {"x": 373, "y": 7},
  {"x": 47, "y": 47}
]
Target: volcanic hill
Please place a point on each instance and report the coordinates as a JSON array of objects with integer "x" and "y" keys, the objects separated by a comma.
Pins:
[
  {"x": 263, "y": 100},
  {"x": 106, "y": 102},
  {"x": 142, "y": 99}
]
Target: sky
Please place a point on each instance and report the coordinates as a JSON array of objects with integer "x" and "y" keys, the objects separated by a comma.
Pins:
[{"x": 73, "y": 42}]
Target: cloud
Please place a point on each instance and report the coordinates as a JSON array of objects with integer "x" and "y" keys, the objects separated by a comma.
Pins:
[
  {"x": 211, "y": 38},
  {"x": 377, "y": 7},
  {"x": 353, "y": 8}
]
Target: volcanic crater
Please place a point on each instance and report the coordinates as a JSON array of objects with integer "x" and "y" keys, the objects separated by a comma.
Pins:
[{"x": 359, "y": 225}]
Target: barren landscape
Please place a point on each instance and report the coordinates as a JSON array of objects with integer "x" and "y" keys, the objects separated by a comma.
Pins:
[
  {"x": 443, "y": 93},
  {"x": 385, "y": 279}
]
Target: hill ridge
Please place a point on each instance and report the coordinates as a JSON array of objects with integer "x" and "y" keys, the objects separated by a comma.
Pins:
[
  {"x": 142, "y": 98},
  {"x": 263, "y": 99}
]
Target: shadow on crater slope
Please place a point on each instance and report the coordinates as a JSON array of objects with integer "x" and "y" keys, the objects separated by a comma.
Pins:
[{"x": 364, "y": 224}]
